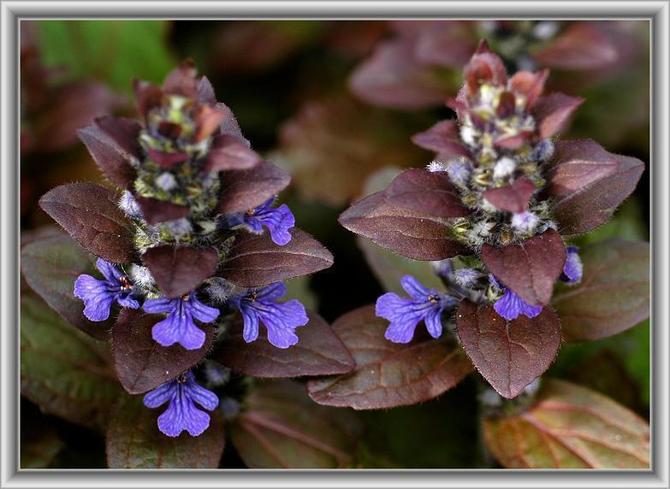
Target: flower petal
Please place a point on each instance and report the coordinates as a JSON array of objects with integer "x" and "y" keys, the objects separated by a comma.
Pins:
[
  {"x": 109, "y": 271},
  {"x": 281, "y": 321},
  {"x": 401, "y": 313},
  {"x": 414, "y": 288},
  {"x": 178, "y": 327},
  {"x": 97, "y": 297},
  {"x": 204, "y": 397},
  {"x": 200, "y": 311},
  {"x": 250, "y": 332},
  {"x": 160, "y": 395},
  {"x": 433, "y": 322},
  {"x": 160, "y": 305}
]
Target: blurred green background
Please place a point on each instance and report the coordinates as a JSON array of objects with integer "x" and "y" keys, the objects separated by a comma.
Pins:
[{"x": 288, "y": 84}]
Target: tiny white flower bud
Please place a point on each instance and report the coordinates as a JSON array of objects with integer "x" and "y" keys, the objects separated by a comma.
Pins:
[
  {"x": 545, "y": 30},
  {"x": 219, "y": 290},
  {"x": 129, "y": 205},
  {"x": 166, "y": 181},
  {"x": 459, "y": 171},
  {"x": 525, "y": 222},
  {"x": 435, "y": 166},
  {"x": 504, "y": 168},
  {"x": 179, "y": 227},
  {"x": 141, "y": 276},
  {"x": 468, "y": 135}
]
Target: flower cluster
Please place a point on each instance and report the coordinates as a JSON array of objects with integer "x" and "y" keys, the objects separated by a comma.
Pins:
[
  {"x": 491, "y": 210},
  {"x": 194, "y": 236}
]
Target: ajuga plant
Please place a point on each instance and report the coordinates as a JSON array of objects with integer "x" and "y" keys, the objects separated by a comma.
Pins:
[
  {"x": 191, "y": 253},
  {"x": 494, "y": 213}
]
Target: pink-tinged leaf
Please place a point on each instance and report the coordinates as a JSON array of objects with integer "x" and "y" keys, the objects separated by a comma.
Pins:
[
  {"x": 242, "y": 190},
  {"x": 443, "y": 138},
  {"x": 388, "y": 374},
  {"x": 50, "y": 266},
  {"x": 280, "y": 427},
  {"x": 613, "y": 294},
  {"x": 156, "y": 211},
  {"x": 445, "y": 44},
  {"x": 207, "y": 121},
  {"x": 180, "y": 269},
  {"x": 512, "y": 198},
  {"x": 319, "y": 352},
  {"x": 408, "y": 233},
  {"x": 531, "y": 85},
  {"x": 141, "y": 364},
  {"x": 167, "y": 160},
  {"x": 429, "y": 193},
  {"x": 508, "y": 354},
  {"x": 587, "y": 184},
  {"x": 484, "y": 67},
  {"x": 113, "y": 145},
  {"x": 229, "y": 123},
  {"x": 181, "y": 80},
  {"x": 531, "y": 268},
  {"x": 553, "y": 111},
  {"x": 582, "y": 46},
  {"x": 230, "y": 153},
  {"x": 392, "y": 77},
  {"x": 254, "y": 260},
  {"x": 205, "y": 91},
  {"x": 133, "y": 441},
  {"x": 148, "y": 96},
  {"x": 569, "y": 427},
  {"x": 89, "y": 213}
]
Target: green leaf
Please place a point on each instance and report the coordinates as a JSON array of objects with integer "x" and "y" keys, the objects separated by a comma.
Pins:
[
  {"x": 134, "y": 442},
  {"x": 63, "y": 371},
  {"x": 613, "y": 294},
  {"x": 113, "y": 51},
  {"x": 280, "y": 427},
  {"x": 569, "y": 426}
]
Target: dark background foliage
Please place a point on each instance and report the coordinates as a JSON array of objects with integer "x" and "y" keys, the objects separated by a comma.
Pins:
[{"x": 287, "y": 82}]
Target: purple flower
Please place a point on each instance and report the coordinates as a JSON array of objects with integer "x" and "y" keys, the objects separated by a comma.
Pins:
[
  {"x": 405, "y": 314},
  {"x": 99, "y": 295},
  {"x": 182, "y": 413},
  {"x": 573, "y": 268},
  {"x": 178, "y": 326},
  {"x": 510, "y": 306},
  {"x": 278, "y": 221},
  {"x": 280, "y": 320}
]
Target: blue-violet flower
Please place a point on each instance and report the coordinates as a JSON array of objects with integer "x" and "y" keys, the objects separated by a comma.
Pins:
[
  {"x": 510, "y": 306},
  {"x": 278, "y": 221},
  {"x": 573, "y": 268},
  {"x": 99, "y": 295}
]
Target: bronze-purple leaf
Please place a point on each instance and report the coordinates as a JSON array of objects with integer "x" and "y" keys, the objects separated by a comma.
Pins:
[
  {"x": 90, "y": 214},
  {"x": 229, "y": 123},
  {"x": 553, "y": 111},
  {"x": 50, "y": 266},
  {"x": 388, "y": 374},
  {"x": 587, "y": 184},
  {"x": 319, "y": 352},
  {"x": 141, "y": 364},
  {"x": 508, "y": 354},
  {"x": 113, "y": 145},
  {"x": 531, "y": 268},
  {"x": 181, "y": 80},
  {"x": 613, "y": 294},
  {"x": 242, "y": 190},
  {"x": 512, "y": 198},
  {"x": 166, "y": 159},
  {"x": 443, "y": 138},
  {"x": 230, "y": 153},
  {"x": 409, "y": 233},
  {"x": 430, "y": 193},
  {"x": 206, "y": 93},
  {"x": 180, "y": 269},
  {"x": 529, "y": 84},
  {"x": 148, "y": 96},
  {"x": 255, "y": 260},
  {"x": 156, "y": 211}
]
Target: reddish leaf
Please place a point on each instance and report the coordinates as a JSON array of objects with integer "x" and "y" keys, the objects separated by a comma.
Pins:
[
  {"x": 89, "y": 213},
  {"x": 530, "y": 268},
  {"x": 508, "y": 354},
  {"x": 156, "y": 211},
  {"x": 180, "y": 269},
  {"x": 229, "y": 124},
  {"x": 409, "y": 233},
  {"x": 511, "y": 198},
  {"x": 148, "y": 96},
  {"x": 429, "y": 193},
  {"x": 207, "y": 121},
  {"x": 281, "y": 428},
  {"x": 531, "y": 85},
  {"x": 581, "y": 46},
  {"x": 484, "y": 67},
  {"x": 553, "y": 111},
  {"x": 255, "y": 260},
  {"x": 206, "y": 91},
  {"x": 242, "y": 190},
  {"x": 587, "y": 184},
  {"x": 134, "y": 442},
  {"x": 141, "y": 364},
  {"x": 392, "y": 77},
  {"x": 230, "y": 153},
  {"x": 113, "y": 144},
  {"x": 167, "y": 159},
  {"x": 613, "y": 295},
  {"x": 319, "y": 352},
  {"x": 50, "y": 266},
  {"x": 181, "y": 80},
  {"x": 443, "y": 138},
  {"x": 569, "y": 426},
  {"x": 388, "y": 374},
  {"x": 446, "y": 44}
]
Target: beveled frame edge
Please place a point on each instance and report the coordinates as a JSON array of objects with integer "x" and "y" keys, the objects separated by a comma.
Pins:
[{"x": 11, "y": 12}]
